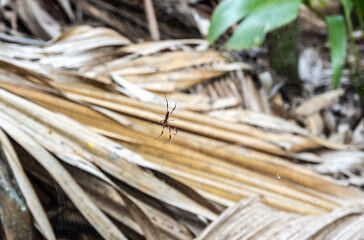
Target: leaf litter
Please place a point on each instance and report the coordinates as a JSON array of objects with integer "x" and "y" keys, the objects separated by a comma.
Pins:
[{"x": 69, "y": 111}]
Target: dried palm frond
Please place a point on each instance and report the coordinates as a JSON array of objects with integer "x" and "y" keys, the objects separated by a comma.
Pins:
[
  {"x": 44, "y": 20},
  {"x": 251, "y": 218},
  {"x": 82, "y": 114}
]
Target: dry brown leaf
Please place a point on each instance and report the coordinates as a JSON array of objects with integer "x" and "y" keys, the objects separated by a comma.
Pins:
[
  {"x": 315, "y": 124},
  {"x": 173, "y": 81},
  {"x": 319, "y": 102},
  {"x": 147, "y": 48},
  {"x": 168, "y": 61}
]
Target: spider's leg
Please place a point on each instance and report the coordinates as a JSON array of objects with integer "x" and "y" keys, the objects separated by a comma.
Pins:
[
  {"x": 159, "y": 115},
  {"x": 154, "y": 122},
  {"x": 169, "y": 128},
  {"x": 167, "y": 103},
  {"x": 175, "y": 130},
  {"x": 161, "y": 132},
  {"x": 173, "y": 109}
]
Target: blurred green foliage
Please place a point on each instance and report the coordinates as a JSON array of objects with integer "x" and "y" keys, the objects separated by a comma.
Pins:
[
  {"x": 255, "y": 18},
  {"x": 258, "y": 18},
  {"x": 337, "y": 40}
]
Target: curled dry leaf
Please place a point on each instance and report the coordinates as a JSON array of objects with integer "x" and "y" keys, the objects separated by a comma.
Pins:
[{"x": 317, "y": 103}]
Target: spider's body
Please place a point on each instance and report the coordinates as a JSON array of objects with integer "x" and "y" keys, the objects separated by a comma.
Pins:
[{"x": 165, "y": 122}]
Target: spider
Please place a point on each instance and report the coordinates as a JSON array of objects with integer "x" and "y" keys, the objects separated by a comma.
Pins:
[{"x": 165, "y": 122}]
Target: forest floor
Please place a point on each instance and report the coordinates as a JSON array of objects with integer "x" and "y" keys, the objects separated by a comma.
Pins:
[{"x": 106, "y": 134}]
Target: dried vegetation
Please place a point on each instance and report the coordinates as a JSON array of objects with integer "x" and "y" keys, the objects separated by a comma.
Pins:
[{"x": 79, "y": 118}]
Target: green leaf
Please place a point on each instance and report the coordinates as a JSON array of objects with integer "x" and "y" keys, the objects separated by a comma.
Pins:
[
  {"x": 226, "y": 14},
  {"x": 266, "y": 16},
  {"x": 308, "y": 3},
  {"x": 348, "y": 6},
  {"x": 322, "y": 3},
  {"x": 337, "y": 42},
  {"x": 359, "y": 4},
  {"x": 359, "y": 7}
]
